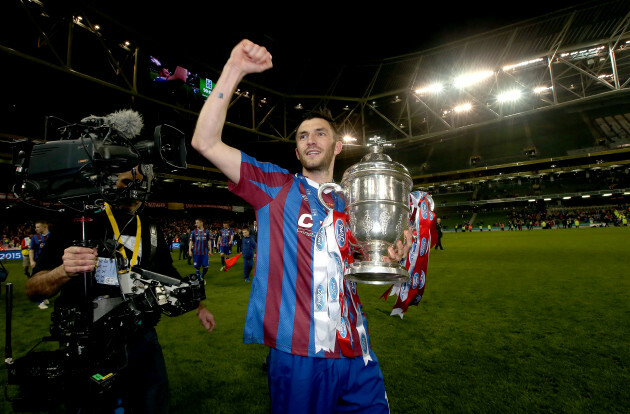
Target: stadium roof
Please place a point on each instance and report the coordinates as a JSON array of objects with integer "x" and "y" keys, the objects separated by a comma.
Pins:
[{"x": 371, "y": 67}]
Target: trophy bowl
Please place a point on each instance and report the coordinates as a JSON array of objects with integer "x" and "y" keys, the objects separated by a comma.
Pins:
[{"x": 376, "y": 194}]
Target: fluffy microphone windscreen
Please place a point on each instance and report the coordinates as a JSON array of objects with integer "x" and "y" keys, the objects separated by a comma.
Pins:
[{"x": 127, "y": 122}]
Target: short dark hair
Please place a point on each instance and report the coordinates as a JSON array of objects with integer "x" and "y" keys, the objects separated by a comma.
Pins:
[
  {"x": 323, "y": 113},
  {"x": 326, "y": 115}
]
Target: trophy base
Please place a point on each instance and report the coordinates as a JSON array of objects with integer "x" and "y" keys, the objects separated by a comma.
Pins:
[{"x": 377, "y": 273}]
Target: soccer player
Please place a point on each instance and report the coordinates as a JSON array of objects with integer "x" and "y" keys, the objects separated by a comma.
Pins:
[
  {"x": 303, "y": 377},
  {"x": 199, "y": 248},
  {"x": 37, "y": 245},
  {"x": 38, "y": 241},
  {"x": 226, "y": 238}
]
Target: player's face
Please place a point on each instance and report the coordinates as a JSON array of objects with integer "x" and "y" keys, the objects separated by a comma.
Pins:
[
  {"x": 198, "y": 224},
  {"x": 316, "y": 145}
]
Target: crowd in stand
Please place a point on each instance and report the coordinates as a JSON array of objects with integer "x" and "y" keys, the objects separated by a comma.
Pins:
[
  {"x": 569, "y": 217},
  {"x": 13, "y": 234},
  {"x": 528, "y": 218}
]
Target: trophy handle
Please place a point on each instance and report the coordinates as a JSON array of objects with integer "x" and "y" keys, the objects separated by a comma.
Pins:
[{"x": 323, "y": 187}]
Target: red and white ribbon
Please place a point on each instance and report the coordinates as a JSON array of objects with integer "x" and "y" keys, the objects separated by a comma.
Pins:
[
  {"x": 422, "y": 219},
  {"x": 332, "y": 295},
  {"x": 328, "y": 267}
]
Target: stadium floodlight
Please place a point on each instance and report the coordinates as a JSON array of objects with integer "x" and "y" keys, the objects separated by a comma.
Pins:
[
  {"x": 547, "y": 199},
  {"x": 566, "y": 198},
  {"x": 586, "y": 196},
  {"x": 463, "y": 107},
  {"x": 606, "y": 195},
  {"x": 471, "y": 78},
  {"x": 521, "y": 64},
  {"x": 542, "y": 89},
  {"x": 583, "y": 54},
  {"x": 349, "y": 138},
  {"x": 509, "y": 96},
  {"x": 532, "y": 200},
  {"x": 433, "y": 88}
]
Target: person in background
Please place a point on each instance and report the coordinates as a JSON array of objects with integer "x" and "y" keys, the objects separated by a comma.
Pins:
[
  {"x": 199, "y": 248},
  {"x": 226, "y": 238},
  {"x": 249, "y": 253},
  {"x": 25, "y": 245},
  {"x": 238, "y": 240},
  {"x": 38, "y": 242},
  {"x": 214, "y": 235},
  {"x": 438, "y": 225},
  {"x": 141, "y": 385},
  {"x": 184, "y": 240}
]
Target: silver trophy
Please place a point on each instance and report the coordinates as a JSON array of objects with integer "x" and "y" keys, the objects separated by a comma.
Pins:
[{"x": 376, "y": 193}]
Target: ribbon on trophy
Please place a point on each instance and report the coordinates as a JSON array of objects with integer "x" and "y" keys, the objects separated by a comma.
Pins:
[
  {"x": 422, "y": 220},
  {"x": 332, "y": 294}
]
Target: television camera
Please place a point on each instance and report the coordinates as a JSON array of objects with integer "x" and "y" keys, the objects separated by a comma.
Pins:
[
  {"x": 83, "y": 162},
  {"x": 80, "y": 170}
]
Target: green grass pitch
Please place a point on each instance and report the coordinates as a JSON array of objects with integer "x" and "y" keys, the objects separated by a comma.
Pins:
[{"x": 520, "y": 321}]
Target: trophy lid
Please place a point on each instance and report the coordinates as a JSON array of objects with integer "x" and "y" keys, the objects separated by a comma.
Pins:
[{"x": 376, "y": 161}]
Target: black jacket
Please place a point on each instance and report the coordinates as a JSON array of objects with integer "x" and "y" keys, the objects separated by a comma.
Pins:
[{"x": 155, "y": 255}]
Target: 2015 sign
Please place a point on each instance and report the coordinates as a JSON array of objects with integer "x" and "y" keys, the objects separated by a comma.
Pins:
[{"x": 8, "y": 255}]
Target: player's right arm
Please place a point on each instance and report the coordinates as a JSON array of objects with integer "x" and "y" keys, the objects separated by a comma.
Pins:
[{"x": 246, "y": 58}]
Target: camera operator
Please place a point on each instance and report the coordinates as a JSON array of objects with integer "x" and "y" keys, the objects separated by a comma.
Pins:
[{"x": 142, "y": 383}]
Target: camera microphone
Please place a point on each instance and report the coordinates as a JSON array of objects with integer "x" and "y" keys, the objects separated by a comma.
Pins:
[
  {"x": 80, "y": 163},
  {"x": 127, "y": 122}
]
